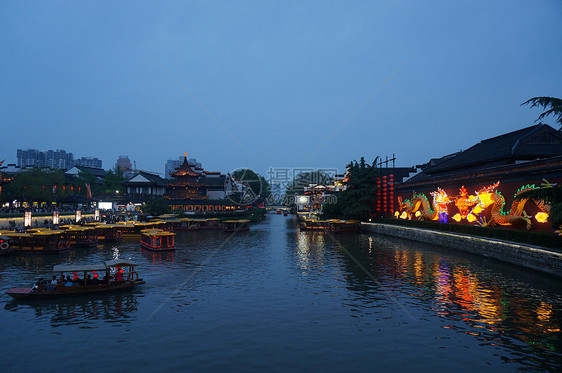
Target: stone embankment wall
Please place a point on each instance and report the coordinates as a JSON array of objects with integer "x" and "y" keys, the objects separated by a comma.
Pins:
[{"x": 528, "y": 256}]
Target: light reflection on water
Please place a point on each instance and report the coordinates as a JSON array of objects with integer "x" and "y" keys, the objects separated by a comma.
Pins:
[{"x": 275, "y": 298}]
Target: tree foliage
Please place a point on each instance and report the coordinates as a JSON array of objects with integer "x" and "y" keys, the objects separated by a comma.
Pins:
[
  {"x": 36, "y": 185},
  {"x": 156, "y": 206},
  {"x": 257, "y": 183},
  {"x": 304, "y": 180},
  {"x": 554, "y": 106},
  {"x": 114, "y": 180},
  {"x": 356, "y": 202}
]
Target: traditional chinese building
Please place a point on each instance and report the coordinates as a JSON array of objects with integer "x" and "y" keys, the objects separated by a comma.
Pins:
[
  {"x": 478, "y": 186},
  {"x": 194, "y": 190}
]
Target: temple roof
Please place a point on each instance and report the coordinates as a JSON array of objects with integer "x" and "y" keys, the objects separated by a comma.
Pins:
[
  {"x": 525, "y": 145},
  {"x": 184, "y": 170}
]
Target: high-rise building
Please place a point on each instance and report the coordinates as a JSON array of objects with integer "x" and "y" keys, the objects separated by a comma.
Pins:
[
  {"x": 88, "y": 162},
  {"x": 124, "y": 163},
  {"x": 54, "y": 159}
]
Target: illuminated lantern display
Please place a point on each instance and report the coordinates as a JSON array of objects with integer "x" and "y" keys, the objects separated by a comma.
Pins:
[
  {"x": 391, "y": 193},
  {"x": 378, "y": 194},
  {"x": 97, "y": 215},
  {"x": 56, "y": 218},
  {"x": 95, "y": 274},
  {"x": 542, "y": 217},
  {"x": 78, "y": 216},
  {"x": 384, "y": 194},
  {"x": 27, "y": 219},
  {"x": 75, "y": 276}
]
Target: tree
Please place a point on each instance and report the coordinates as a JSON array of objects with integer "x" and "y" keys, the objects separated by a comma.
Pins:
[
  {"x": 156, "y": 206},
  {"x": 554, "y": 106},
  {"x": 356, "y": 201},
  {"x": 303, "y": 180},
  {"x": 114, "y": 180},
  {"x": 259, "y": 185},
  {"x": 36, "y": 185}
]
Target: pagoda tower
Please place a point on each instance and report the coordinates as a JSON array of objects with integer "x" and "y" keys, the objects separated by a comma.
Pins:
[{"x": 185, "y": 184}]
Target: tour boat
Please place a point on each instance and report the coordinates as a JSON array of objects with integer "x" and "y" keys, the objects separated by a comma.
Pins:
[
  {"x": 235, "y": 225},
  {"x": 332, "y": 225},
  {"x": 36, "y": 241},
  {"x": 157, "y": 240},
  {"x": 79, "y": 235},
  {"x": 118, "y": 274},
  {"x": 106, "y": 232},
  {"x": 5, "y": 244},
  {"x": 189, "y": 224}
]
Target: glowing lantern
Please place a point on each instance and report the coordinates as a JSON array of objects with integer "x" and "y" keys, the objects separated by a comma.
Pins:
[
  {"x": 403, "y": 215},
  {"x": 56, "y": 218},
  {"x": 27, "y": 219},
  {"x": 397, "y": 214},
  {"x": 417, "y": 214}
]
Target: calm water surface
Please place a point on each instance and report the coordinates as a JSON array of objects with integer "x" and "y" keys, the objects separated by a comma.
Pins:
[{"x": 277, "y": 299}]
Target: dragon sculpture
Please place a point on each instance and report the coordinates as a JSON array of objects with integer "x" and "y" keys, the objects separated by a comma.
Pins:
[{"x": 471, "y": 207}]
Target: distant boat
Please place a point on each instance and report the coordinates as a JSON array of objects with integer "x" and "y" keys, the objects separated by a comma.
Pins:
[
  {"x": 332, "y": 225},
  {"x": 235, "y": 225},
  {"x": 124, "y": 278},
  {"x": 157, "y": 240}
]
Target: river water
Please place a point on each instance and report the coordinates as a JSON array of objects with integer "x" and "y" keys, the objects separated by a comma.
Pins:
[{"x": 276, "y": 299}]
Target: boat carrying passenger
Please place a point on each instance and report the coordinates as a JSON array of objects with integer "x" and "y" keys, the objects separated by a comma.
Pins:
[{"x": 83, "y": 279}]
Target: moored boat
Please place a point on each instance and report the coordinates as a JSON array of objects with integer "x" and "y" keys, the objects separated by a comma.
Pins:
[
  {"x": 119, "y": 275},
  {"x": 157, "y": 239},
  {"x": 332, "y": 225},
  {"x": 79, "y": 235},
  {"x": 36, "y": 241},
  {"x": 235, "y": 225}
]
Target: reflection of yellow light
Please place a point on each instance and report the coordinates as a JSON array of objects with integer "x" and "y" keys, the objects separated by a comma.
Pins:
[
  {"x": 542, "y": 217},
  {"x": 544, "y": 311},
  {"x": 303, "y": 199},
  {"x": 457, "y": 217},
  {"x": 404, "y": 215},
  {"x": 418, "y": 214},
  {"x": 397, "y": 214},
  {"x": 471, "y": 218}
]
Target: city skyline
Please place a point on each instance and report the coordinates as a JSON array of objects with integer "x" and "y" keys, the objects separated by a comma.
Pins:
[{"x": 273, "y": 85}]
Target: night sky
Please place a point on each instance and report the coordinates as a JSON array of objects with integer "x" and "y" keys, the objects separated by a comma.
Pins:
[{"x": 265, "y": 84}]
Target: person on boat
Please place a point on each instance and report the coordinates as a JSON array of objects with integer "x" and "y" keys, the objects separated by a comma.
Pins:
[
  {"x": 54, "y": 281},
  {"x": 68, "y": 282},
  {"x": 119, "y": 275},
  {"x": 89, "y": 280},
  {"x": 93, "y": 281},
  {"x": 105, "y": 279},
  {"x": 37, "y": 285}
]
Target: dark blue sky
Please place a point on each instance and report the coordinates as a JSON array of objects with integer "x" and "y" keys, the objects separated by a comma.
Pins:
[{"x": 288, "y": 80}]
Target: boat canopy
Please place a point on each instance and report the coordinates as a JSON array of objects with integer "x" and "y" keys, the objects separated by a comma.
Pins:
[
  {"x": 79, "y": 267},
  {"x": 120, "y": 263},
  {"x": 94, "y": 267}
]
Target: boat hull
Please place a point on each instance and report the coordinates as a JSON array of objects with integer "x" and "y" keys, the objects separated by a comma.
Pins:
[{"x": 26, "y": 293}]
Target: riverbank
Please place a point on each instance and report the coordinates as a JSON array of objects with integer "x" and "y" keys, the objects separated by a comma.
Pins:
[{"x": 528, "y": 256}]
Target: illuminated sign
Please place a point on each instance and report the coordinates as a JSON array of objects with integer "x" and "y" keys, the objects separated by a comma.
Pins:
[{"x": 303, "y": 199}]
